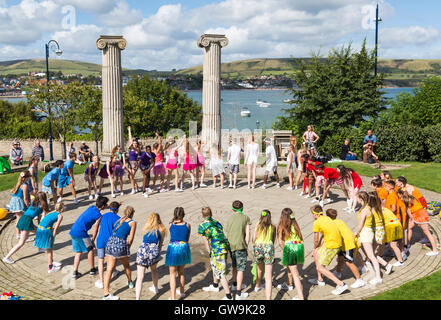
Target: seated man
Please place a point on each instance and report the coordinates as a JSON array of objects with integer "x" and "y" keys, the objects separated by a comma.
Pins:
[
  {"x": 369, "y": 143},
  {"x": 371, "y": 156},
  {"x": 16, "y": 154},
  {"x": 346, "y": 153},
  {"x": 85, "y": 154}
]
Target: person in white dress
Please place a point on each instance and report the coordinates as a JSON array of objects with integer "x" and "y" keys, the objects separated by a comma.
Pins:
[
  {"x": 217, "y": 165},
  {"x": 291, "y": 166},
  {"x": 251, "y": 157},
  {"x": 271, "y": 163},
  {"x": 233, "y": 163}
]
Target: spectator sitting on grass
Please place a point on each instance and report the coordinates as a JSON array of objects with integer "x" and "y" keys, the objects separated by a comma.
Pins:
[
  {"x": 346, "y": 153},
  {"x": 16, "y": 154},
  {"x": 85, "y": 154}
]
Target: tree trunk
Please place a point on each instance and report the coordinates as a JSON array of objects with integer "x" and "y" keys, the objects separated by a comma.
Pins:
[{"x": 95, "y": 136}]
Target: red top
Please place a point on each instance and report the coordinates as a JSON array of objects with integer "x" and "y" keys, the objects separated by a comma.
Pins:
[
  {"x": 330, "y": 173},
  {"x": 356, "y": 179}
]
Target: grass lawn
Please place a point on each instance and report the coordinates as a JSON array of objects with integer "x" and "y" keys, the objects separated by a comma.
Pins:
[
  {"x": 423, "y": 175},
  {"x": 8, "y": 181},
  {"x": 427, "y": 288}
]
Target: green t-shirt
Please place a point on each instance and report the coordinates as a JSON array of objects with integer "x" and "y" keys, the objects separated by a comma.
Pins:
[{"x": 236, "y": 231}]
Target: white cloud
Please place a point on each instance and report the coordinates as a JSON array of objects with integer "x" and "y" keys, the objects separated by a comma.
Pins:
[
  {"x": 120, "y": 16},
  {"x": 94, "y": 6},
  {"x": 80, "y": 39},
  {"x": 414, "y": 35}
]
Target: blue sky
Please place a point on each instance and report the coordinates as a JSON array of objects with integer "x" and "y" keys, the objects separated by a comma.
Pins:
[{"x": 162, "y": 34}]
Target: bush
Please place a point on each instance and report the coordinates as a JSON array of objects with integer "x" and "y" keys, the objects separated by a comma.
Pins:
[
  {"x": 433, "y": 142},
  {"x": 332, "y": 144}
]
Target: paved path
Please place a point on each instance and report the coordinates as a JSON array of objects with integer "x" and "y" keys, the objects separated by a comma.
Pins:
[{"x": 28, "y": 276}]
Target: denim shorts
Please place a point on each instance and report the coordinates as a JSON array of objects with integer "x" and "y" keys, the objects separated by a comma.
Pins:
[
  {"x": 83, "y": 245},
  {"x": 101, "y": 253}
]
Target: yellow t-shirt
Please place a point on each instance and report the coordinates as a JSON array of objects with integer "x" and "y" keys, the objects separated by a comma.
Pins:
[
  {"x": 389, "y": 216},
  {"x": 347, "y": 235},
  {"x": 330, "y": 232}
]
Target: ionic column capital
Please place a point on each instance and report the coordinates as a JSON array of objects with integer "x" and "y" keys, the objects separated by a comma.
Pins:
[
  {"x": 207, "y": 39},
  {"x": 104, "y": 41}
]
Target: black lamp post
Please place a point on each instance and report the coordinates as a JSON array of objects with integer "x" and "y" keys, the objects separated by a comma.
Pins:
[{"x": 58, "y": 52}]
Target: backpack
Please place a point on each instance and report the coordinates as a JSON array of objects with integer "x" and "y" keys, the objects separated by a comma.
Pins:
[{"x": 434, "y": 208}]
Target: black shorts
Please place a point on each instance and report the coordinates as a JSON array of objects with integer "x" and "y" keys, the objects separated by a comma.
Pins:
[{"x": 347, "y": 255}]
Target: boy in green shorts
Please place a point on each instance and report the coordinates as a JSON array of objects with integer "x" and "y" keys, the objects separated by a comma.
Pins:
[
  {"x": 326, "y": 249},
  {"x": 238, "y": 233},
  {"x": 218, "y": 248},
  {"x": 347, "y": 252}
]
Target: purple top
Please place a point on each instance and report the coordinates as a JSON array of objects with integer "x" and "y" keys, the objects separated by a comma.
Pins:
[{"x": 133, "y": 155}]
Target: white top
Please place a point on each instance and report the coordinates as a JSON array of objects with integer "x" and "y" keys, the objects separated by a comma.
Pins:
[
  {"x": 252, "y": 153},
  {"x": 271, "y": 157},
  {"x": 234, "y": 154},
  {"x": 291, "y": 160}
]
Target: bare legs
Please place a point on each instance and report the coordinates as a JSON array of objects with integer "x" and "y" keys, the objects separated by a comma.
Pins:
[
  {"x": 251, "y": 175},
  {"x": 268, "y": 278},
  {"x": 179, "y": 270},
  {"x": 23, "y": 237},
  {"x": 140, "y": 278}
]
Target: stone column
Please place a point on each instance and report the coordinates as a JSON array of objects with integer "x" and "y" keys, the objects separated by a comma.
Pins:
[
  {"x": 211, "y": 121},
  {"x": 113, "y": 128}
]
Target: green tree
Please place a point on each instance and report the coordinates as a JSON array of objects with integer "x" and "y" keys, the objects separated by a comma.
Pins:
[
  {"x": 151, "y": 106},
  {"x": 336, "y": 92},
  {"x": 57, "y": 103}
]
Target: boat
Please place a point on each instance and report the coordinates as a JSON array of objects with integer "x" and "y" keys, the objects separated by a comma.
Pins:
[
  {"x": 245, "y": 112},
  {"x": 262, "y": 103},
  {"x": 288, "y": 100}
]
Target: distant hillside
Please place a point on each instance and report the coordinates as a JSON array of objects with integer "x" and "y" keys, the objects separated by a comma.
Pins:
[
  {"x": 395, "y": 70},
  {"x": 19, "y": 67}
]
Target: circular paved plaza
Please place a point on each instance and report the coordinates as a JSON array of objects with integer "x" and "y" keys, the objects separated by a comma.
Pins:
[{"x": 28, "y": 277}]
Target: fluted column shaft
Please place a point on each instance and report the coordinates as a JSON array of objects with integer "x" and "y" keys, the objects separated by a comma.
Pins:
[{"x": 113, "y": 128}]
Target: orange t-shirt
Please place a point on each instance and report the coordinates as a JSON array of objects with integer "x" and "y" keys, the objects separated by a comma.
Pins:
[
  {"x": 392, "y": 199},
  {"x": 382, "y": 193},
  {"x": 416, "y": 206}
]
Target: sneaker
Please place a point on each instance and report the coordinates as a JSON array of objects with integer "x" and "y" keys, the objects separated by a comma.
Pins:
[
  {"x": 406, "y": 251},
  {"x": 337, "y": 274},
  {"x": 91, "y": 197},
  {"x": 242, "y": 296},
  {"x": 328, "y": 200},
  {"x": 110, "y": 297},
  {"x": 99, "y": 284},
  {"x": 59, "y": 199},
  {"x": 139, "y": 189},
  {"x": 278, "y": 186},
  {"x": 145, "y": 195},
  {"x": 234, "y": 288},
  {"x": 154, "y": 289},
  {"x": 257, "y": 289},
  {"x": 315, "y": 200},
  {"x": 375, "y": 281},
  {"x": 404, "y": 256},
  {"x": 149, "y": 190},
  {"x": 96, "y": 196},
  {"x": 285, "y": 287},
  {"x": 211, "y": 288},
  {"x": 316, "y": 282},
  {"x": 347, "y": 209},
  {"x": 226, "y": 298},
  {"x": 113, "y": 195},
  {"x": 296, "y": 187},
  {"x": 263, "y": 187},
  {"x": 162, "y": 190},
  {"x": 388, "y": 268},
  {"x": 202, "y": 185},
  {"x": 289, "y": 188},
  {"x": 193, "y": 188},
  {"x": 358, "y": 284},
  {"x": 178, "y": 190},
  {"x": 133, "y": 191},
  {"x": 301, "y": 194},
  {"x": 307, "y": 196},
  {"x": 8, "y": 261},
  {"x": 351, "y": 211},
  {"x": 93, "y": 271},
  {"x": 222, "y": 187},
  {"x": 321, "y": 203},
  {"x": 121, "y": 193},
  {"x": 116, "y": 190},
  {"x": 398, "y": 264},
  {"x": 214, "y": 186},
  {"x": 230, "y": 185},
  {"x": 56, "y": 263},
  {"x": 75, "y": 275},
  {"x": 432, "y": 253},
  {"x": 178, "y": 292},
  {"x": 340, "y": 289},
  {"x": 295, "y": 298},
  {"x": 234, "y": 187},
  {"x": 131, "y": 285}
]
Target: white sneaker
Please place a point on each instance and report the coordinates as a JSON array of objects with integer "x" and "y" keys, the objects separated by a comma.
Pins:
[
  {"x": 182, "y": 295},
  {"x": 222, "y": 187},
  {"x": 257, "y": 289},
  {"x": 347, "y": 209},
  {"x": 91, "y": 197},
  {"x": 321, "y": 203},
  {"x": 328, "y": 200},
  {"x": 234, "y": 187},
  {"x": 53, "y": 269},
  {"x": 133, "y": 191},
  {"x": 388, "y": 268},
  {"x": 278, "y": 186},
  {"x": 307, "y": 196},
  {"x": 211, "y": 288},
  {"x": 145, "y": 195},
  {"x": 263, "y": 187},
  {"x": 162, "y": 190},
  {"x": 285, "y": 287},
  {"x": 96, "y": 196},
  {"x": 154, "y": 289},
  {"x": 316, "y": 282},
  {"x": 149, "y": 190},
  {"x": 111, "y": 297},
  {"x": 99, "y": 284},
  {"x": 121, "y": 193},
  {"x": 340, "y": 289},
  {"x": 214, "y": 186},
  {"x": 242, "y": 296},
  {"x": 226, "y": 298},
  {"x": 178, "y": 190},
  {"x": 234, "y": 288},
  {"x": 230, "y": 185},
  {"x": 358, "y": 284},
  {"x": 202, "y": 185},
  {"x": 375, "y": 281},
  {"x": 289, "y": 188},
  {"x": 193, "y": 188},
  {"x": 8, "y": 261},
  {"x": 113, "y": 195},
  {"x": 349, "y": 203},
  {"x": 398, "y": 264},
  {"x": 352, "y": 211},
  {"x": 296, "y": 187},
  {"x": 59, "y": 199},
  {"x": 314, "y": 200},
  {"x": 337, "y": 274},
  {"x": 301, "y": 194},
  {"x": 249, "y": 187},
  {"x": 432, "y": 253},
  {"x": 295, "y": 298},
  {"x": 56, "y": 263}
]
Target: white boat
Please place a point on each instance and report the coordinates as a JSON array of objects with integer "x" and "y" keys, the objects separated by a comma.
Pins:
[
  {"x": 245, "y": 112},
  {"x": 262, "y": 103},
  {"x": 288, "y": 100}
]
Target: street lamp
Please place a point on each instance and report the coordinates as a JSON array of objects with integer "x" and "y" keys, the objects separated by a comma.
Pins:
[{"x": 55, "y": 48}]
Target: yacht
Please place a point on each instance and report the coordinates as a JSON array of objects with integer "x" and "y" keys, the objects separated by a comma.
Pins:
[
  {"x": 245, "y": 112},
  {"x": 262, "y": 103},
  {"x": 288, "y": 100}
]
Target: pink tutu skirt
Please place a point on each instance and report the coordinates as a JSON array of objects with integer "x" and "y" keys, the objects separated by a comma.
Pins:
[
  {"x": 189, "y": 166},
  {"x": 158, "y": 169},
  {"x": 200, "y": 161},
  {"x": 172, "y": 164}
]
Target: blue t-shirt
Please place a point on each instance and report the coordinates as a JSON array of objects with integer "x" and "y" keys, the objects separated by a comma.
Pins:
[
  {"x": 84, "y": 222},
  {"x": 152, "y": 237},
  {"x": 106, "y": 228},
  {"x": 52, "y": 175},
  {"x": 49, "y": 220},
  {"x": 372, "y": 139},
  {"x": 69, "y": 164},
  {"x": 123, "y": 230},
  {"x": 33, "y": 211}
]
